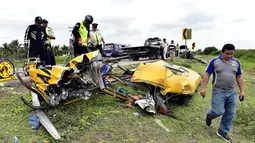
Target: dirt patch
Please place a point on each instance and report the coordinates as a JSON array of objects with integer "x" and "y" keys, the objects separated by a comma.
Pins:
[
  {"x": 12, "y": 91},
  {"x": 251, "y": 72},
  {"x": 100, "y": 136}
]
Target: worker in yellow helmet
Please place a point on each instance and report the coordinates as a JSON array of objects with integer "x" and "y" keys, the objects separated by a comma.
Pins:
[
  {"x": 81, "y": 35},
  {"x": 50, "y": 37}
]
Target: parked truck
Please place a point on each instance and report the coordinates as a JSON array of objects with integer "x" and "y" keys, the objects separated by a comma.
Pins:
[{"x": 151, "y": 49}]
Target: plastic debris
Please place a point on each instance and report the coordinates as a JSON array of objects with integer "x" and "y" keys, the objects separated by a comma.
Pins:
[
  {"x": 137, "y": 114},
  {"x": 161, "y": 124},
  {"x": 15, "y": 139},
  {"x": 34, "y": 122}
]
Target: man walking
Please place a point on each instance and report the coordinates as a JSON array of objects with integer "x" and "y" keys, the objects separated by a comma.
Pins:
[
  {"x": 225, "y": 70},
  {"x": 96, "y": 38}
]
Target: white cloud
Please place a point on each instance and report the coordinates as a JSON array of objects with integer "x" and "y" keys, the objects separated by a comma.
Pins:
[{"x": 214, "y": 23}]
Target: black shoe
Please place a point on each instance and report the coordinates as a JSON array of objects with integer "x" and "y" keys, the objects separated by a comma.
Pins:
[
  {"x": 225, "y": 137},
  {"x": 208, "y": 121}
]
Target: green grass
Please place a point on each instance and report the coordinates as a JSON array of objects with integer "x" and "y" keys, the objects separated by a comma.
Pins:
[
  {"x": 20, "y": 63},
  {"x": 103, "y": 119},
  {"x": 246, "y": 65}
]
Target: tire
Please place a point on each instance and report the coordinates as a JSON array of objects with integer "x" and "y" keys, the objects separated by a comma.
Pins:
[
  {"x": 152, "y": 56},
  {"x": 135, "y": 58}
]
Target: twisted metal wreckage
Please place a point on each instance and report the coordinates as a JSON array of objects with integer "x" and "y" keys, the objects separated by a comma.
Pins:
[{"x": 87, "y": 74}]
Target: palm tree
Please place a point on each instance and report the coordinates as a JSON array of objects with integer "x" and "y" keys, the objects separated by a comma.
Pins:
[
  {"x": 15, "y": 46},
  {"x": 64, "y": 49},
  {"x": 22, "y": 52},
  {"x": 1, "y": 52},
  {"x": 56, "y": 50},
  {"x": 6, "y": 49}
]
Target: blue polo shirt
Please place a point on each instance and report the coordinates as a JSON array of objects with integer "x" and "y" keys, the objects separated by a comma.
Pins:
[{"x": 224, "y": 74}]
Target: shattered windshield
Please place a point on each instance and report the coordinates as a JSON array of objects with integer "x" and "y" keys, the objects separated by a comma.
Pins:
[{"x": 175, "y": 68}]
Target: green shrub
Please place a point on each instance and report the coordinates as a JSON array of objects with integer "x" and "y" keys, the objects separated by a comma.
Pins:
[
  {"x": 215, "y": 52},
  {"x": 245, "y": 54},
  {"x": 210, "y": 50}
]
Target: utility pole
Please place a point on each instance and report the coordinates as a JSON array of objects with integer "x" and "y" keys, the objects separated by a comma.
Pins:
[{"x": 186, "y": 35}]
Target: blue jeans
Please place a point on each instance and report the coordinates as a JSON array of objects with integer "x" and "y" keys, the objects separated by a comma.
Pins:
[{"x": 223, "y": 103}]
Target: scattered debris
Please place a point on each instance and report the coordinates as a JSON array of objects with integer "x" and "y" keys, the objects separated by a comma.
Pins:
[
  {"x": 74, "y": 83},
  {"x": 137, "y": 114},
  {"x": 15, "y": 139},
  {"x": 161, "y": 124},
  {"x": 34, "y": 122}
]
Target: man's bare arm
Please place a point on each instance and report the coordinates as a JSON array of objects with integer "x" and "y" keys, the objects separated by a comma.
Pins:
[
  {"x": 103, "y": 40},
  {"x": 70, "y": 42},
  {"x": 51, "y": 37},
  {"x": 240, "y": 83},
  {"x": 205, "y": 80}
]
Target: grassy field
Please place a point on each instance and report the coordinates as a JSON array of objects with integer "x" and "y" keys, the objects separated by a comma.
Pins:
[
  {"x": 20, "y": 63},
  {"x": 103, "y": 119}
]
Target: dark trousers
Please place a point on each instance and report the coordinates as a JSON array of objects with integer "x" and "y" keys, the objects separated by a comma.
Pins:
[
  {"x": 162, "y": 53},
  {"x": 100, "y": 49},
  {"x": 52, "y": 58},
  {"x": 51, "y": 55},
  {"x": 41, "y": 52},
  {"x": 78, "y": 50},
  {"x": 177, "y": 53}
]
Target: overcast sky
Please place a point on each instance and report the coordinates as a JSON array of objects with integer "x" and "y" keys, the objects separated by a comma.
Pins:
[{"x": 213, "y": 23}]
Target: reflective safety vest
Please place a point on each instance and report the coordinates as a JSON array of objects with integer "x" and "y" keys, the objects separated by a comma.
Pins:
[
  {"x": 49, "y": 31},
  {"x": 95, "y": 37},
  {"x": 84, "y": 33}
]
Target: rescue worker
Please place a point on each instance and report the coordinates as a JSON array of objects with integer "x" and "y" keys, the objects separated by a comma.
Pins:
[
  {"x": 51, "y": 36},
  {"x": 81, "y": 35},
  {"x": 71, "y": 43},
  {"x": 165, "y": 45},
  {"x": 71, "y": 40},
  {"x": 161, "y": 50},
  {"x": 177, "y": 50},
  {"x": 172, "y": 50},
  {"x": 34, "y": 39},
  {"x": 96, "y": 38}
]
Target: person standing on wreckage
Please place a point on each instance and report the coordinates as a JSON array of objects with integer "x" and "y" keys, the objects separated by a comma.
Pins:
[
  {"x": 226, "y": 71},
  {"x": 81, "y": 35},
  {"x": 34, "y": 39},
  {"x": 96, "y": 38},
  {"x": 51, "y": 36}
]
